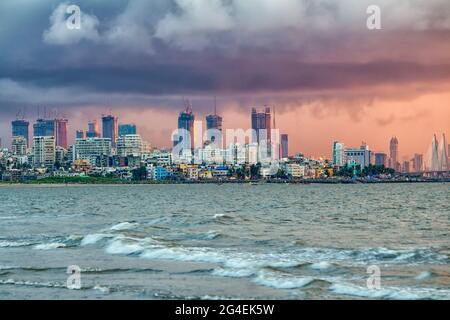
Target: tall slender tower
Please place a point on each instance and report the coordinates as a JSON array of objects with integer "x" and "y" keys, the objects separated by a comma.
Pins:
[
  {"x": 93, "y": 130},
  {"x": 393, "y": 155},
  {"x": 61, "y": 133},
  {"x": 109, "y": 126},
  {"x": 186, "y": 122},
  {"x": 214, "y": 127},
  {"x": 261, "y": 121}
]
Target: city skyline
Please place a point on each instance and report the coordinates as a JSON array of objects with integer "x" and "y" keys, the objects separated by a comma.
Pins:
[{"x": 93, "y": 123}]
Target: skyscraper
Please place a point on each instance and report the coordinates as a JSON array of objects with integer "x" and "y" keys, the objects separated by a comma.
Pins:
[
  {"x": 214, "y": 128},
  {"x": 338, "y": 154},
  {"x": 418, "y": 163},
  {"x": 20, "y": 128},
  {"x": 261, "y": 121},
  {"x": 393, "y": 155},
  {"x": 381, "y": 159},
  {"x": 79, "y": 134},
  {"x": 127, "y": 128},
  {"x": 284, "y": 146},
  {"x": 93, "y": 130},
  {"x": 44, "y": 151},
  {"x": 186, "y": 122},
  {"x": 44, "y": 128},
  {"x": 406, "y": 167},
  {"x": 109, "y": 126},
  {"x": 61, "y": 133}
]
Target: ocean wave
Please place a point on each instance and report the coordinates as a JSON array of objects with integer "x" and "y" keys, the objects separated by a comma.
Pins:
[
  {"x": 233, "y": 273},
  {"x": 94, "y": 238},
  {"x": 32, "y": 283},
  {"x": 124, "y": 226},
  {"x": 276, "y": 281},
  {"x": 14, "y": 244},
  {"x": 102, "y": 289},
  {"x": 424, "y": 275},
  {"x": 321, "y": 266},
  {"x": 49, "y": 246},
  {"x": 393, "y": 293},
  {"x": 183, "y": 254},
  {"x": 123, "y": 248},
  {"x": 222, "y": 216}
]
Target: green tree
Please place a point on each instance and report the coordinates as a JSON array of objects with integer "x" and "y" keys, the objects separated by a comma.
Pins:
[{"x": 139, "y": 174}]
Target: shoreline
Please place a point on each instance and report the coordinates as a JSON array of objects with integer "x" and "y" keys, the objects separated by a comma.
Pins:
[{"x": 252, "y": 183}]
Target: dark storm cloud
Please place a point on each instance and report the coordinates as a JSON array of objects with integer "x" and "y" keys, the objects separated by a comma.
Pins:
[{"x": 152, "y": 52}]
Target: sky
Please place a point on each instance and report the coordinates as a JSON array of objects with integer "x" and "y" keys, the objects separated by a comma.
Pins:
[{"x": 329, "y": 76}]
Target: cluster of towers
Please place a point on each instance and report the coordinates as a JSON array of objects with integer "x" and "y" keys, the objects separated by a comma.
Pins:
[
  {"x": 57, "y": 128},
  {"x": 262, "y": 124}
]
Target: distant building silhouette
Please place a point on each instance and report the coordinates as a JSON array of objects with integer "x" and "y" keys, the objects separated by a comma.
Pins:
[{"x": 109, "y": 127}]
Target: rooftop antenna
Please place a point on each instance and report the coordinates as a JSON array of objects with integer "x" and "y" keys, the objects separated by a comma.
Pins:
[
  {"x": 274, "y": 115},
  {"x": 187, "y": 105}
]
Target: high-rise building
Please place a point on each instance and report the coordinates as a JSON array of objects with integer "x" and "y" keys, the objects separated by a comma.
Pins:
[
  {"x": 19, "y": 146},
  {"x": 214, "y": 129},
  {"x": 44, "y": 151},
  {"x": 61, "y": 133},
  {"x": 129, "y": 145},
  {"x": 284, "y": 146},
  {"x": 20, "y": 128},
  {"x": 338, "y": 154},
  {"x": 127, "y": 128},
  {"x": 109, "y": 127},
  {"x": 79, "y": 134},
  {"x": 393, "y": 154},
  {"x": 381, "y": 159},
  {"x": 44, "y": 128},
  {"x": 418, "y": 163},
  {"x": 93, "y": 130},
  {"x": 406, "y": 167},
  {"x": 90, "y": 148},
  {"x": 261, "y": 121},
  {"x": 186, "y": 123}
]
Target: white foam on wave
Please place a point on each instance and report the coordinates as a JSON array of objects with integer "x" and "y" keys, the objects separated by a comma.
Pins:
[
  {"x": 393, "y": 293},
  {"x": 323, "y": 265},
  {"x": 49, "y": 246},
  {"x": 101, "y": 289},
  {"x": 13, "y": 244},
  {"x": 31, "y": 283},
  {"x": 117, "y": 246},
  {"x": 282, "y": 281},
  {"x": 233, "y": 273},
  {"x": 124, "y": 226},
  {"x": 94, "y": 238},
  {"x": 221, "y": 215},
  {"x": 183, "y": 254},
  {"x": 212, "y": 234}
]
